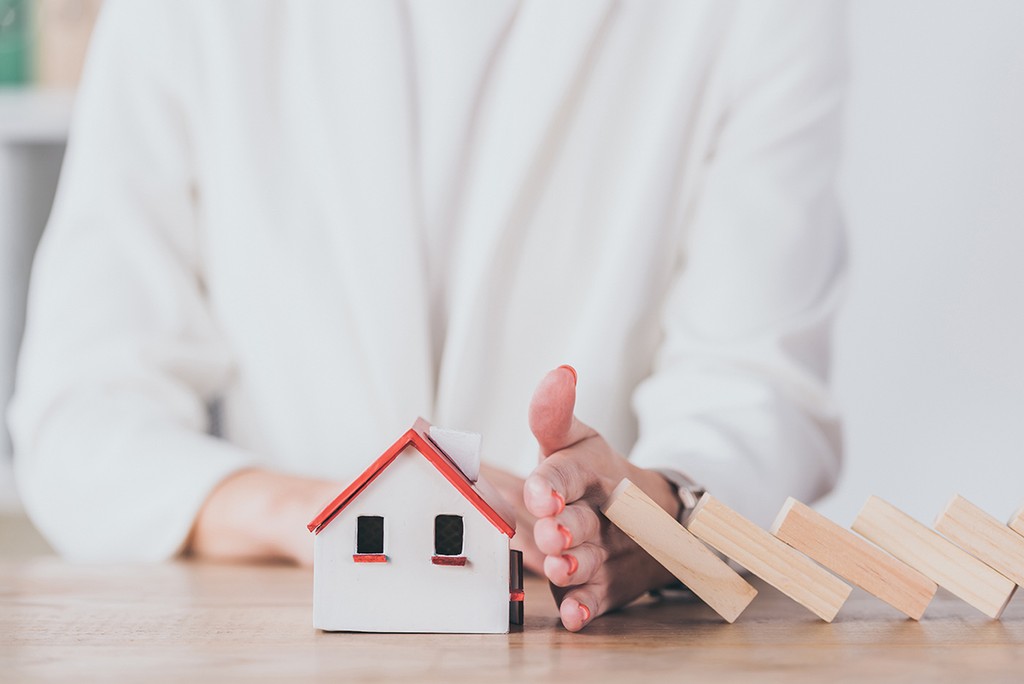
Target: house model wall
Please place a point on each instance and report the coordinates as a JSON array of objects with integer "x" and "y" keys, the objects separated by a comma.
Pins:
[{"x": 409, "y": 587}]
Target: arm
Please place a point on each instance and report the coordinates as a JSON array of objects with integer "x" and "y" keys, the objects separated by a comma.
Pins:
[
  {"x": 737, "y": 398},
  {"x": 122, "y": 356},
  {"x": 258, "y": 515}
]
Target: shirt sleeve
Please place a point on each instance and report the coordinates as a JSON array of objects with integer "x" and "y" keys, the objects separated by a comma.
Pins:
[
  {"x": 121, "y": 356},
  {"x": 738, "y": 398}
]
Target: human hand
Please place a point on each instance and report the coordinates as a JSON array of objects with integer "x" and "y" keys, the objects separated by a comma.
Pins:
[
  {"x": 511, "y": 488},
  {"x": 593, "y": 566},
  {"x": 258, "y": 516}
]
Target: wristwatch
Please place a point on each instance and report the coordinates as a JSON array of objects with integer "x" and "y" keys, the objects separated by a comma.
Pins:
[{"x": 687, "y": 491}]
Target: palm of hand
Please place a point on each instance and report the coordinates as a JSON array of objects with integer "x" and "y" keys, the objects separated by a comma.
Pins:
[{"x": 592, "y": 565}]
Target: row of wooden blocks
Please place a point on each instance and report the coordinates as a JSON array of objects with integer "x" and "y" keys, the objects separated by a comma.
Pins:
[{"x": 976, "y": 557}]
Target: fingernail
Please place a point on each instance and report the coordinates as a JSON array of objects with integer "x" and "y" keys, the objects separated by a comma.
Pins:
[
  {"x": 575, "y": 375},
  {"x": 584, "y": 612},
  {"x": 560, "y": 500},
  {"x": 574, "y": 565},
  {"x": 566, "y": 535}
]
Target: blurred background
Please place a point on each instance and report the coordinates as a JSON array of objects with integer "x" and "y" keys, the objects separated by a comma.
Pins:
[{"x": 930, "y": 347}]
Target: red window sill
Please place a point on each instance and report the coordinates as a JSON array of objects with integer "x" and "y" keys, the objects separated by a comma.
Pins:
[
  {"x": 448, "y": 560},
  {"x": 369, "y": 558}
]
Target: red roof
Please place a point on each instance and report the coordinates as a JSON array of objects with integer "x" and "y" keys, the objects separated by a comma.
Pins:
[{"x": 417, "y": 437}]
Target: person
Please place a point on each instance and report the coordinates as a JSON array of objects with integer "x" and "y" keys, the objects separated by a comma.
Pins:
[{"x": 283, "y": 231}]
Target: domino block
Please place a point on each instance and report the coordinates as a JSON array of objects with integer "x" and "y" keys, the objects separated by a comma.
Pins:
[
  {"x": 984, "y": 537},
  {"x": 1017, "y": 522},
  {"x": 782, "y": 566},
  {"x": 935, "y": 557},
  {"x": 658, "y": 533},
  {"x": 853, "y": 559}
]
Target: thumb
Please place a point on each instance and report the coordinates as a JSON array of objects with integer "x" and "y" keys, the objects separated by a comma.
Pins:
[{"x": 551, "y": 412}]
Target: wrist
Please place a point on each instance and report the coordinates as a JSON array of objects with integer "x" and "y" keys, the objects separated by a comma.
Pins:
[
  {"x": 687, "y": 492},
  {"x": 658, "y": 487}
]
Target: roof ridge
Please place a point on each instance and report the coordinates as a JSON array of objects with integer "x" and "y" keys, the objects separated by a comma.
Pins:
[{"x": 418, "y": 437}]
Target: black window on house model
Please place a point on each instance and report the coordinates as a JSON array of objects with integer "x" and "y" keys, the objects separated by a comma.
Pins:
[
  {"x": 448, "y": 533},
  {"x": 370, "y": 534}
]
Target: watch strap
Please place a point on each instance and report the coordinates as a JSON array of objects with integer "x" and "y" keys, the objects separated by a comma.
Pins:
[{"x": 687, "y": 491}]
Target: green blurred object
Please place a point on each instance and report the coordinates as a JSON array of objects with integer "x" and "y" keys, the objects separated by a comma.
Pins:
[{"x": 14, "y": 42}]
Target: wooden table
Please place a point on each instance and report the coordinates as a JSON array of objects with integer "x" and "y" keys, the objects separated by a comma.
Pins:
[{"x": 197, "y": 622}]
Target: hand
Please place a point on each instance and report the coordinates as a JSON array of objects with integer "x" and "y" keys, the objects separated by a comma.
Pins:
[
  {"x": 511, "y": 488},
  {"x": 593, "y": 566},
  {"x": 257, "y": 515}
]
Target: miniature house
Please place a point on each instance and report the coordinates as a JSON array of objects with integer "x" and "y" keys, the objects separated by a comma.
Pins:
[{"x": 418, "y": 543}]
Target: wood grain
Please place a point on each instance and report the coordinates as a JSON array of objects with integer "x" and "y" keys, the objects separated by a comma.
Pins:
[
  {"x": 682, "y": 554},
  {"x": 1017, "y": 522},
  {"x": 196, "y": 622},
  {"x": 786, "y": 569},
  {"x": 984, "y": 537},
  {"x": 853, "y": 559},
  {"x": 937, "y": 558}
]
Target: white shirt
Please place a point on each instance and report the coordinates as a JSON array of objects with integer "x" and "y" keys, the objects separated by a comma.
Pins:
[{"x": 337, "y": 216}]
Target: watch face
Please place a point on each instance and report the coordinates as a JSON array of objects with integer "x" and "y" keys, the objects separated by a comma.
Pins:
[
  {"x": 690, "y": 497},
  {"x": 687, "y": 491}
]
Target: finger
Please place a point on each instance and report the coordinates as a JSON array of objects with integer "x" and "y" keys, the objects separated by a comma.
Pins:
[
  {"x": 575, "y": 567},
  {"x": 551, "y": 412},
  {"x": 575, "y": 525},
  {"x": 579, "y": 607},
  {"x": 558, "y": 480}
]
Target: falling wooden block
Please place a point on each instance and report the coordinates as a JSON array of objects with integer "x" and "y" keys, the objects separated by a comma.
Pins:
[
  {"x": 1017, "y": 522},
  {"x": 669, "y": 543},
  {"x": 984, "y": 537},
  {"x": 937, "y": 558},
  {"x": 786, "y": 569},
  {"x": 853, "y": 559}
]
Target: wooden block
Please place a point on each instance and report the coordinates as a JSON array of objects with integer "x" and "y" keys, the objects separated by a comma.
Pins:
[
  {"x": 939, "y": 559},
  {"x": 658, "y": 533},
  {"x": 984, "y": 537},
  {"x": 1017, "y": 522},
  {"x": 786, "y": 569},
  {"x": 853, "y": 559}
]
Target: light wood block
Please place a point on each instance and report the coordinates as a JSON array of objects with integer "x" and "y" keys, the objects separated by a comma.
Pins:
[
  {"x": 937, "y": 558},
  {"x": 786, "y": 569},
  {"x": 669, "y": 543},
  {"x": 1017, "y": 522},
  {"x": 984, "y": 537},
  {"x": 853, "y": 559}
]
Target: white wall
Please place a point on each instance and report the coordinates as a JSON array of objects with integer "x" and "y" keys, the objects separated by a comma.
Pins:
[{"x": 930, "y": 365}]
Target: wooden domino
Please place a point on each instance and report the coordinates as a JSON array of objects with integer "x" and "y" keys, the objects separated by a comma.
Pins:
[
  {"x": 785, "y": 568},
  {"x": 1017, "y": 522},
  {"x": 937, "y": 558},
  {"x": 853, "y": 559},
  {"x": 984, "y": 537},
  {"x": 658, "y": 533}
]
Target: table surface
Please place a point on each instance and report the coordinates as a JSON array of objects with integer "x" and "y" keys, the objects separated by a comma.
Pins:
[{"x": 193, "y": 621}]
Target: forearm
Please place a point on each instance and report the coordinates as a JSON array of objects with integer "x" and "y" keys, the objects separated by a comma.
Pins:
[
  {"x": 257, "y": 515},
  {"x": 752, "y": 456}
]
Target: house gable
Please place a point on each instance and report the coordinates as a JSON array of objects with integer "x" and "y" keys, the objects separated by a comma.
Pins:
[
  {"x": 481, "y": 495},
  {"x": 409, "y": 591}
]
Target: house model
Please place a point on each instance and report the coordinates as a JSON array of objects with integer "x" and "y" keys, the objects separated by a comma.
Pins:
[{"x": 418, "y": 543}]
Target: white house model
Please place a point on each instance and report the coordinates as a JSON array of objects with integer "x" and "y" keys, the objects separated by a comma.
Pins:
[{"x": 418, "y": 543}]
